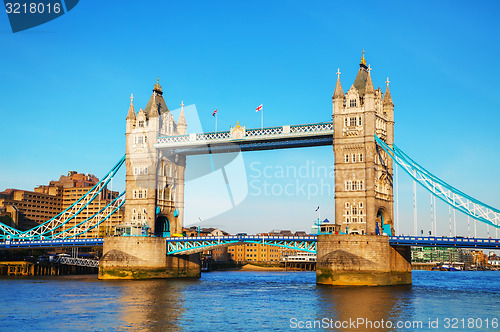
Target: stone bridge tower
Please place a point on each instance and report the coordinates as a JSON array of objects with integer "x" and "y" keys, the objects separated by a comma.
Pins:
[
  {"x": 363, "y": 171},
  {"x": 154, "y": 178}
]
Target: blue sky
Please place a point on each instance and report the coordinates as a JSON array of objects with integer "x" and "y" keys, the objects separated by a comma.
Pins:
[{"x": 65, "y": 89}]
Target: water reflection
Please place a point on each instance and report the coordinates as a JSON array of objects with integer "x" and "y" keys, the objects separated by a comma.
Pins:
[
  {"x": 367, "y": 303},
  {"x": 151, "y": 305}
]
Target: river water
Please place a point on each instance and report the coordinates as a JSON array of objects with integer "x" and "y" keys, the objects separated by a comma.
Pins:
[{"x": 256, "y": 301}]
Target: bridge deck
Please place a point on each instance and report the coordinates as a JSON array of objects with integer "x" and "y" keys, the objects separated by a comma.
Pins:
[
  {"x": 315, "y": 134},
  {"x": 285, "y": 241}
]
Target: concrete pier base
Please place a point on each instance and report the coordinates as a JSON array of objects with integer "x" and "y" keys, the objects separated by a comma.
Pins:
[
  {"x": 361, "y": 260},
  {"x": 144, "y": 258}
]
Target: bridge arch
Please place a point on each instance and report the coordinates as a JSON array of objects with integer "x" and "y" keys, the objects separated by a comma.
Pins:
[
  {"x": 162, "y": 226},
  {"x": 384, "y": 220}
]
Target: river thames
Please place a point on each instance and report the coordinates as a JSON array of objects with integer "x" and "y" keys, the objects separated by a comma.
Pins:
[{"x": 247, "y": 300}]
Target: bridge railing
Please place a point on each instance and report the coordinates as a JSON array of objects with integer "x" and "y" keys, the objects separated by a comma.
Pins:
[{"x": 264, "y": 133}]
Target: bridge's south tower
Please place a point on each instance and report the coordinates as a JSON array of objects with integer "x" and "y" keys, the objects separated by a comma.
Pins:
[
  {"x": 363, "y": 172},
  {"x": 154, "y": 180}
]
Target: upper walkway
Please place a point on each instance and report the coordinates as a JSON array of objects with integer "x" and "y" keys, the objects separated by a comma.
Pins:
[{"x": 241, "y": 139}]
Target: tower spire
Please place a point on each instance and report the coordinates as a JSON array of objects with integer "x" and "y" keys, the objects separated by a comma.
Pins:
[
  {"x": 131, "y": 110},
  {"x": 387, "y": 96},
  {"x": 338, "y": 92},
  {"x": 181, "y": 123},
  {"x": 369, "y": 84},
  {"x": 363, "y": 60},
  {"x": 157, "y": 87}
]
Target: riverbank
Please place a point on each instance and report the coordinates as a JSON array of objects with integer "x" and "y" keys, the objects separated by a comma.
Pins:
[{"x": 251, "y": 267}]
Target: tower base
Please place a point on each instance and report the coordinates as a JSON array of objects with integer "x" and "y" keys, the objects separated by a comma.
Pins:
[
  {"x": 144, "y": 258},
  {"x": 361, "y": 260}
]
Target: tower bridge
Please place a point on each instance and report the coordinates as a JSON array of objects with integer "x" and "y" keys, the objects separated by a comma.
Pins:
[{"x": 362, "y": 137}]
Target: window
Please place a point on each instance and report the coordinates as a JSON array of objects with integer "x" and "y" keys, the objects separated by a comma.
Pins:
[
  {"x": 361, "y": 185},
  {"x": 352, "y": 103},
  {"x": 352, "y": 121},
  {"x": 347, "y": 205},
  {"x": 141, "y": 124},
  {"x": 346, "y": 158},
  {"x": 345, "y": 122},
  {"x": 353, "y": 158},
  {"x": 134, "y": 194},
  {"x": 360, "y": 205},
  {"x": 139, "y": 216},
  {"x": 354, "y": 185},
  {"x": 354, "y": 210},
  {"x": 360, "y": 158},
  {"x": 360, "y": 219},
  {"x": 139, "y": 194},
  {"x": 359, "y": 121}
]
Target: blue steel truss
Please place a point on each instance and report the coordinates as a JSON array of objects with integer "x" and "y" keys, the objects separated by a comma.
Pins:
[
  {"x": 191, "y": 245},
  {"x": 55, "y": 225},
  {"x": 303, "y": 243},
  {"x": 442, "y": 190}
]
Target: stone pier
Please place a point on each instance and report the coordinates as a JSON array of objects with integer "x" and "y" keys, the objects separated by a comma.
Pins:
[
  {"x": 138, "y": 257},
  {"x": 361, "y": 260}
]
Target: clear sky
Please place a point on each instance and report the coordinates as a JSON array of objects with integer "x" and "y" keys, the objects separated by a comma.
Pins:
[{"x": 65, "y": 87}]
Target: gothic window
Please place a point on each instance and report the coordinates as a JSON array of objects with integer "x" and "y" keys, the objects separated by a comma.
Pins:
[{"x": 346, "y": 158}]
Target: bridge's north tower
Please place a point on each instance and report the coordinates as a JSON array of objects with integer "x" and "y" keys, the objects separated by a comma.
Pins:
[
  {"x": 363, "y": 171},
  {"x": 154, "y": 181}
]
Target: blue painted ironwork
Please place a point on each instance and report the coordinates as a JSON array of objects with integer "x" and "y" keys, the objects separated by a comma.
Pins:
[
  {"x": 46, "y": 229},
  {"x": 450, "y": 195},
  {"x": 183, "y": 245},
  {"x": 190, "y": 245},
  {"x": 315, "y": 134}
]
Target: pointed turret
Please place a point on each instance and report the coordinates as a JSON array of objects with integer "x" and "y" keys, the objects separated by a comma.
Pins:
[
  {"x": 338, "y": 92},
  {"x": 362, "y": 76},
  {"x": 369, "y": 84},
  {"x": 387, "y": 95},
  {"x": 181, "y": 123},
  {"x": 154, "y": 108},
  {"x": 131, "y": 110}
]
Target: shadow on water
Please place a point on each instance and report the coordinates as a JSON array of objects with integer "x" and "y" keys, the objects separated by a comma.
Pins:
[
  {"x": 150, "y": 305},
  {"x": 364, "y": 305}
]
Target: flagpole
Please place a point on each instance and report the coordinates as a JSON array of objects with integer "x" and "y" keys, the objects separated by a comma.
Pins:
[
  {"x": 215, "y": 122},
  {"x": 262, "y": 117}
]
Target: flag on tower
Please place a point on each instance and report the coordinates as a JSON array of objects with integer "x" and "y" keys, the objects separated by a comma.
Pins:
[
  {"x": 317, "y": 208},
  {"x": 214, "y": 113},
  {"x": 259, "y": 108}
]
